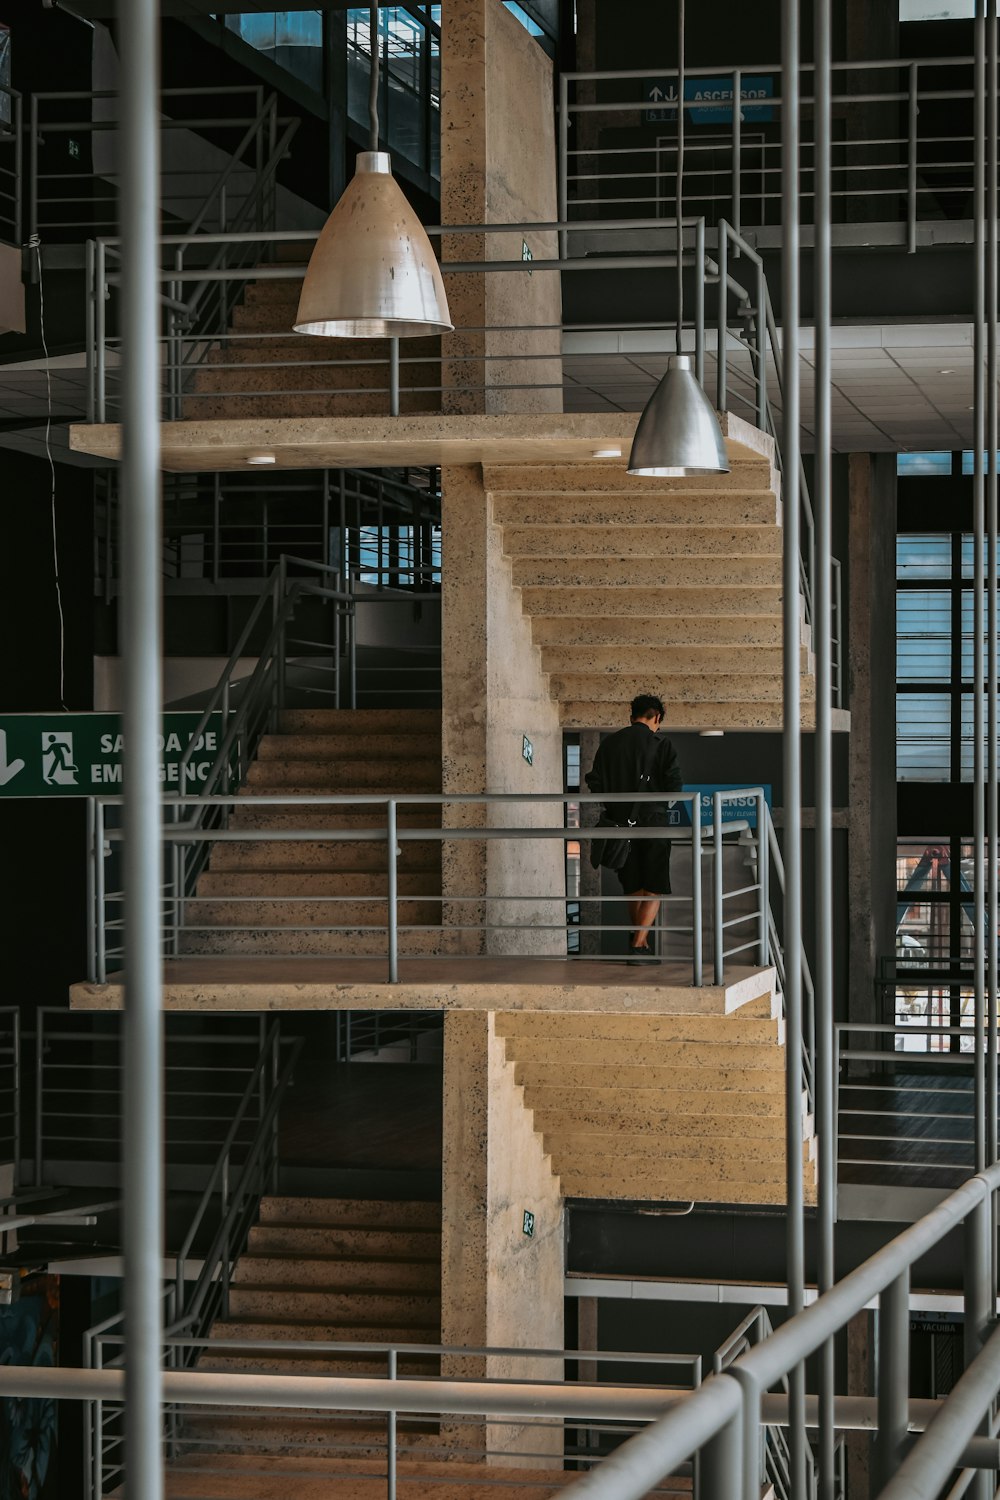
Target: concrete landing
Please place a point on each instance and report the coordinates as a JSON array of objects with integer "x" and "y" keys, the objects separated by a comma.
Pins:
[{"x": 448, "y": 984}]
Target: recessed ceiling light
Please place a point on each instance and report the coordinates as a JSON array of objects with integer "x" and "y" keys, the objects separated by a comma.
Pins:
[
  {"x": 711, "y": 734},
  {"x": 607, "y": 453},
  {"x": 261, "y": 458},
  {"x": 946, "y": 372}
]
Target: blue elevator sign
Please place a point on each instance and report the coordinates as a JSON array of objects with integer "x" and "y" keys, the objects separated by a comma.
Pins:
[
  {"x": 711, "y": 99},
  {"x": 738, "y": 809}
]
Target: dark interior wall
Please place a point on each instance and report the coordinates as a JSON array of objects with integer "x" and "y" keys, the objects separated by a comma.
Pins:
[{"x": 42, "y": 932}]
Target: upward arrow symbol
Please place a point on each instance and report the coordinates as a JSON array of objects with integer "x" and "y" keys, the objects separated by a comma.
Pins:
[
  {"x": 656, "y": 92},
  {"x": 8, "y": 768}
]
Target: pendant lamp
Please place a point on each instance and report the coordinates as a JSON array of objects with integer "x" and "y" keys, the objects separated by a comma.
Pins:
[
  {"x": 678, "y": 432},
  {"x": 373, "y": 273}
]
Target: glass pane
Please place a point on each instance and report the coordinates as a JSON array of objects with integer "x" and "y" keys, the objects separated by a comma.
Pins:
[
  {"x": 923, "y": 463},
  {"x": 923, "y": 556},
  {"x": 923, "y": 737},
  {"x": 923, "y": 635},
  {"x": 291, "y": 39}
]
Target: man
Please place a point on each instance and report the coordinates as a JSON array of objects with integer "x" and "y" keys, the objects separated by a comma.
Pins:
[{"x": 635, "y": 760}]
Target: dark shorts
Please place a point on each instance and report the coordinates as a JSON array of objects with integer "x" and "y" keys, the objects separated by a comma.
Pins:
[{"x": 647, "y": 867}]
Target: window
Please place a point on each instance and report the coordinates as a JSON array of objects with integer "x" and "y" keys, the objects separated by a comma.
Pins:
[
  {"x": 410, "y": 83},
  {"x": 291, "y": 39}
]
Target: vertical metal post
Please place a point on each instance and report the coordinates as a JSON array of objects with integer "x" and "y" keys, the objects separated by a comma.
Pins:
[
  {"x": 352, "y": 641},
  {"x": 978, "y": 623},
  {"x": 911, "y": 163},
  {"x": 33, "y": 169},
  {"x": 718, "y": 908},
  {"x": 893, "y": 1376},
  {"x": 699, "y": 302},
  {"x": 39, "y": 1095},
  {"x": 720, "y": 1461},
  {"x": 279, "y": 663},
  {"x": 392, "y": 873},
  {"x": 563, "y": 160},
  {"x": 142, "y": 1063},
  {"x": 822, "y": 1050},
  {"x": 696, "y": 904},
  {"x": 16, "y": 1091},
  {"x": 394, "y": 377},
  {"x": 92, "y": 856},
  {"x": 100, "y": 319},
  {"x": 89, "y": 333},
  {"x": 390, "y": 1438},
  {"x": 101, "y": 941},
  {"x": 763, "y": 872},
  {"x": 992, "y": 769},
  {"x": 979, "y": 1303},
  {"x": 720, "y": 354},
  {"x": 792, "y": 757},
  {"x": 737, "y": 215},
  {"x": 761, "y": 335}
]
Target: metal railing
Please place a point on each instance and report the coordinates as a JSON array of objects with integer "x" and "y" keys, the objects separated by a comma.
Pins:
[
  {"x": 501, "y": 919},
  {"x": 11, "y": 148},
  {"x": 906, "y": 154},
  {"x": 78, "y": 1077},
  {"x": 384, "y": 1443},
  {"x": 227, "y": 532},
  {"x": 722, "y": 1422},
  {"x": 74, "y": 195},
  {"x": 10, "y": 1089},
  {"x": 904, "y": 1117}
]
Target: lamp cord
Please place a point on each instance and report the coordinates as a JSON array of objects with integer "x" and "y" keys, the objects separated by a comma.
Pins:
[
  {"x": 680, "y": 172},
  {"x": 373, "y": 78}
]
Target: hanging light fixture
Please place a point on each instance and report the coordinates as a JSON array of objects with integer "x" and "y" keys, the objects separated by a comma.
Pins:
[
  {"x": 678, "y": 432},
  {"x": 373, "y": 273}
]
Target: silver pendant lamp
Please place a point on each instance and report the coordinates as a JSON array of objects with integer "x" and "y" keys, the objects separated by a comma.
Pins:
[
  {"x": 679, "y": 432},
  {"x": 373, "y": 273}
]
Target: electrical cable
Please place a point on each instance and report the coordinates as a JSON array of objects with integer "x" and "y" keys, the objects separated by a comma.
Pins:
[
  {"x": 373, "y": 77},
  {"x": 35, "y": 244}
]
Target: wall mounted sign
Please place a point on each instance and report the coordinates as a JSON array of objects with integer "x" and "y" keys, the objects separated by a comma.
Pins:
[
  {"x": 80, "y": 755},
  {"x": 712, "y": 98},
  {"x": 679, "y": 815}
]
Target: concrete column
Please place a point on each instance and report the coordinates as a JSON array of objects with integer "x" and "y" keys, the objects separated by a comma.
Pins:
[
  {"x": 494, "y": 693},
  {"x": 500, "y": 1287},
  {"x": 872, "y": 763},
  {"x": 498, "y": 166}
]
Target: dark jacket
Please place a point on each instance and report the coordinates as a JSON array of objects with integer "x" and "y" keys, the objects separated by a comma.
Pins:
[{"x": 636, "y": 760}]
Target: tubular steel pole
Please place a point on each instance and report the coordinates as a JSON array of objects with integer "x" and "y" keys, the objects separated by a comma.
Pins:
[
  {"x": 680, "y": 176},
  {"x": 795, "y": 1229},
  {"x": 991, "y": 563},
  {"x": 823, "y": 1076},
  {"x": 140, "y": 620},
  {"x": 978, "y": 667}
]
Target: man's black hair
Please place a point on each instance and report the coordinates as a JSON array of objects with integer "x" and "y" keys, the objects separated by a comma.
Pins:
[{"x": 644, "y": 705}]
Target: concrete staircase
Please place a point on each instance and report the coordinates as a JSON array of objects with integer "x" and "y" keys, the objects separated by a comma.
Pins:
[
  {"x": 320, "y": 1270},
  {"x": 635, "y": 584},
  {"x": 660, "y": 1108},
  {"x": 264, "y": 370},
  {"x": 276, "y": 896}
]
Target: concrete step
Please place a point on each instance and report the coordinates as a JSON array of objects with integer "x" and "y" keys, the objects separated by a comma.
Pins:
[
  {"x": 670, "y": 660},
  {"x": 291, "y": 1330},
  {"x": 643, "y": 1102},
  {"x": 600, "y": 1153},
  {"x": 641, "y": 1187},
  {"x": 585, "y": 1120},
  {"x": 680, "y": 544},
  {"x": 361, "y": 942},
  {"x": 567, "y": 1028},
  {"x": 665, "y": 602},
  {"x": 278, "y": 1362},
  {"x": 421, "y": 1242},
  {"x": 655, "y": 1055},
  {"x": 416, "y": 775},
  {"x": 261, "y": 1430},
  {"x": 325, "y": 371},
  {"x": 737, "y": 633},
  {"x": 359, "y": 721},
  {"x": 721, "y": 1078},
  {"x": 349, "y": 858},
  {"x": 377, "y": 746},
  {"x": 758, "y": 508},
  {"x": 350, "y": 1213},
  {"x": 309, "y": 883},
  {"x": 729, "y": 716},
  {"x": 595, "y": 479},
  {"x": 629, "y": 571},
  {"x": 296, "y": 1272},
  {"x": 366, "y": 916},
  {"x": 677, "y": 692},
  {"x": 420, "y": 1309}
]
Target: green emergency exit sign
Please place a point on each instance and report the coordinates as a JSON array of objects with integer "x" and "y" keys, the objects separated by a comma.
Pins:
[{"x": 80, "y": 755}]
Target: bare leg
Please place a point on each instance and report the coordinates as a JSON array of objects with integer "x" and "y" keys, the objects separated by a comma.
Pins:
[{"x": 643, "y": 907}]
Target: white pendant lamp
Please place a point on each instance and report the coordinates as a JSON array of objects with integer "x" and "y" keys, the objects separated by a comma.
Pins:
[
  {"x": 373, "y": 273},
  {"x": 679, "y": 432}
]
